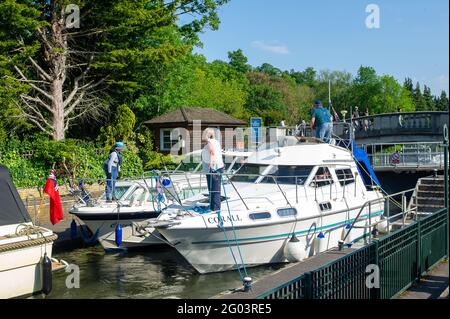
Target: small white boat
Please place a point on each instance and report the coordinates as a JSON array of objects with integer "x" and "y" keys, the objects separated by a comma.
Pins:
[
  {"x": 284, "y": 204},
  {"x": 140, "y": 201},
  {"x": 135, "y": 204},
  {"x": 23, "y": 246}
]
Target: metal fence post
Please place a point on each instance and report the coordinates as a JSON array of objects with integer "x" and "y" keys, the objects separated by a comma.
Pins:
[
  {"x": 404, "y": 209},
  {"x": 377, "y": 291},
  {"x": 419, "y": 250},
  {"x": 370, "y": 223},
  {"x": 308, "y": 286},
  {"x": 446, "y": 181},
  {"x": 388, "y": 219}
]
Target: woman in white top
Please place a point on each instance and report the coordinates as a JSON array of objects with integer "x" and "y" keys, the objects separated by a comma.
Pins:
[{"x": 213, "y": 166}]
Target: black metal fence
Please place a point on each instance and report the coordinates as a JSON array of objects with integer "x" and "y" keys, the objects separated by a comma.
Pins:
[{"x": 402, "y": 258}]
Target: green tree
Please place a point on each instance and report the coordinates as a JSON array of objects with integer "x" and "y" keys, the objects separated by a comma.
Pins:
[
  {"x": 239, "y": 61},
  {"x": 269, "y": 69},
  {"x": 211, "y": 91},
  {"x": 120, "y": 129},
  {"x": 59, "y": 70},
  {"x": 418, "y": 99},
  {"x": 307, "y": 77},
  {"x": 341, "y": 83},
  {"x": 393, "y": 97},
  {"x": 429, "y": 101},
  {"x": 408, "y": 85},
  {"x": 442, "y": 102},
  {"x": 366, "y": 86},
  {"x": 194, "y": 82}
]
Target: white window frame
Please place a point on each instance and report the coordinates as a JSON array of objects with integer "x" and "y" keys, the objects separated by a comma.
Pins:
[{"x": 161, "y": 139}]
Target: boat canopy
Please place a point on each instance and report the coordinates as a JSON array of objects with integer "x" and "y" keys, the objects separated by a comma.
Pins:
[
  {"x": 364, "y": 167},
  {"x": 12, "y": 209}
]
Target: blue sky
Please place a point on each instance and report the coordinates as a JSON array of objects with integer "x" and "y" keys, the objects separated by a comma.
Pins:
[{"x": 331, "y": 34}]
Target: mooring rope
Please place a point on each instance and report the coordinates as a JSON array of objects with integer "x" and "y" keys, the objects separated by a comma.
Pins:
[
  {"x": 221, "y": 225},
  {"x": 28, "y": 231}
]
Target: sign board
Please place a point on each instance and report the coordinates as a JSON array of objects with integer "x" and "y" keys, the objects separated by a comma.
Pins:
[{"x": 256, "y": 126}]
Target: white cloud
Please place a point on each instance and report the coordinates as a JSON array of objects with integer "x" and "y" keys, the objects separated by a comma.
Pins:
[{"x": 272, "y": 48}]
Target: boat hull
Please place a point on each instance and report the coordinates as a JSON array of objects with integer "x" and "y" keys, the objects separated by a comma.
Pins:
[
  {"x": 103, "y": 226},
  {"x": 261, "y": 245},
  {"x": 21, "y": 270}
]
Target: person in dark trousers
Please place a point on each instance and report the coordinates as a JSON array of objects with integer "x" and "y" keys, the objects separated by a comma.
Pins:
[
  {"x": 112, "y": 169},
  {"x": 213, "y": 166},
  {"x": 355, "y": 117},
  {"x": 321, "y": 121}
]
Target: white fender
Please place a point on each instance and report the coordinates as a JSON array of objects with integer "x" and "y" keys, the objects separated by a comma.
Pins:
[
  {"x": 347, "y": 230},
  {"x": 383, "y": 226},
  {"x": 320, "y": 243},
  {"x": 294, "y": 250}
]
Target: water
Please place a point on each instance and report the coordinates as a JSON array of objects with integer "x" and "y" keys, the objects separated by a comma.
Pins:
[{"x": 147, "y": 274}]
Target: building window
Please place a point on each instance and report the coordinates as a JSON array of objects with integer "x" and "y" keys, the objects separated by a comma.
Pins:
[
  {"x": 166, "y": 140},
  {"x": 323, "y": 178},
  {"x": 345, "y": 176}
]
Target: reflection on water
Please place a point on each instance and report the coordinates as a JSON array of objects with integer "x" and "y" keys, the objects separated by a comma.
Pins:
[{"x": 153, "y": 273}]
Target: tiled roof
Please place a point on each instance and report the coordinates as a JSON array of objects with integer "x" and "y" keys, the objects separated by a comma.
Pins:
[{"x": 186, "y": 115}]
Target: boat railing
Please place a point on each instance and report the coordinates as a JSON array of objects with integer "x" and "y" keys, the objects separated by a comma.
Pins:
[
  {"x": 389, "y": 218},
  {"x": 319, "y": 183}
]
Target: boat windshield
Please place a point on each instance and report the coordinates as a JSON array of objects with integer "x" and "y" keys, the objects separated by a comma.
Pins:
[
  {"x": 248, "y": 173},
  {"x": 119, "y": 192},
  {"x": 190, "y": 164},
  {"x": 265, "y": 174},
  {"x": 231, "y": 166},
  {"x": 288, "y": 175}
]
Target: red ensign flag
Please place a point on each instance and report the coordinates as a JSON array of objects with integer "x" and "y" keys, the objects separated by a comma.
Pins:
[{"x": 51, "y": 189}]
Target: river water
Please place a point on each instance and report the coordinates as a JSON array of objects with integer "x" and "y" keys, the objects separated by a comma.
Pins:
[{"x": 146, "y": 274}]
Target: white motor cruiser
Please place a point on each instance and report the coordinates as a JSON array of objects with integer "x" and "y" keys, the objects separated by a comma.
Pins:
[
  {"x": 140, "y": 201},
  {"x": 135, "y": 204},
  {"x": 25, "y": 249},
  {"x": 284, "y": 204}
]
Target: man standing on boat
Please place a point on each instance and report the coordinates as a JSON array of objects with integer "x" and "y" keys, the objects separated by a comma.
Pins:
[
  {"x": 213, "y": 167},
  {"x": 321, "y": 121},
  {"x": 112, "y": 169}
]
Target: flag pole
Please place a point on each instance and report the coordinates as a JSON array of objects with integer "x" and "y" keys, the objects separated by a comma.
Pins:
[{"x": 329, "y": 95}]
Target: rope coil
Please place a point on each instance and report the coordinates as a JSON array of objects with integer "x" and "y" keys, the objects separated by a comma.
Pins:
[{"x": 28, "y": 243}]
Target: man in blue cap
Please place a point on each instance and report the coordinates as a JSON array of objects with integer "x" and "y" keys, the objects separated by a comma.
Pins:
[
  {"x": 112, "y": 169},
  {"x": 321, "y": 121}
]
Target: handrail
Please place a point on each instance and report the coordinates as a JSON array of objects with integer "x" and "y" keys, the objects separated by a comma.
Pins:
[{"x": 384, "y": 199}]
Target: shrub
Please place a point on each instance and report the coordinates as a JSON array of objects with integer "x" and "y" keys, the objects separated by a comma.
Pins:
[{"x": 24, "y": 172}]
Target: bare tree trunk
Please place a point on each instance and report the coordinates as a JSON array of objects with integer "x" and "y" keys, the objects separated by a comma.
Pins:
[
  {"x": 58, "y": 66},
  {"x": 58, "y": 110},
  {"x": 52, "y": 104}
]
